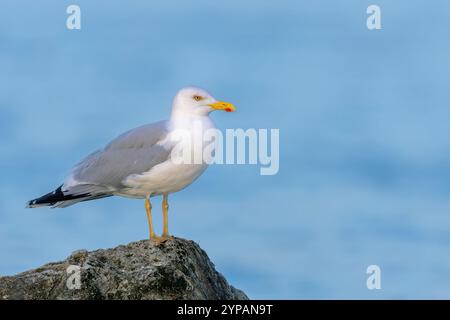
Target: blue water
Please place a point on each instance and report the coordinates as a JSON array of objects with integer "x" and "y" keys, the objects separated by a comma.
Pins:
[{"x": 364, "y": 136}]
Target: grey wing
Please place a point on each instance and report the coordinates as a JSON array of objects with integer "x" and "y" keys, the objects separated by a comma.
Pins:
[{"x": 133, "y": 152}]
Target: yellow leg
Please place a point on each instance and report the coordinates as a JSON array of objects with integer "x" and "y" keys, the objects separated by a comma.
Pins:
[
  {"x": 165, "y": 208},
  {"x": 148, "y": 208}
]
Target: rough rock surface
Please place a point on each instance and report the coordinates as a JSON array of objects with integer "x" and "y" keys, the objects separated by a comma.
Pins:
[{"x": 175, "y": 269}]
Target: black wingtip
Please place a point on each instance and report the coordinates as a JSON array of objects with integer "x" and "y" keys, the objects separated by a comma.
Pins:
[
  {"x": 30, "y": 204},
  {"x": 57, "y": 198},
  {"x": 49, "y": 199}
]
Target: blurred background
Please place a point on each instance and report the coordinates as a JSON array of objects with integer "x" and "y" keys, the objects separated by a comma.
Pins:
[{"x": 364, "y": 137}]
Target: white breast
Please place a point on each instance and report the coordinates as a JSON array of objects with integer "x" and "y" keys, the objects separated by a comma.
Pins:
[{"x": 169, "y": 176}]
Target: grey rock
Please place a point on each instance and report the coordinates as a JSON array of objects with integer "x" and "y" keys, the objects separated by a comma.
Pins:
[{"x": 175, "y": 269}]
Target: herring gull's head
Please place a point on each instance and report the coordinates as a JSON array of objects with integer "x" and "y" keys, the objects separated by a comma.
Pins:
[{"x": 197, "y": 101}]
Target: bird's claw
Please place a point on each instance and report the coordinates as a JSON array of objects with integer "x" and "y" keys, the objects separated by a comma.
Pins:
[{"x": 159, "y": 240}]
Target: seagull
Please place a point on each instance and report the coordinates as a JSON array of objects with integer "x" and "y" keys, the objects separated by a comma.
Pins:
[{"x": 139, "y": 163}]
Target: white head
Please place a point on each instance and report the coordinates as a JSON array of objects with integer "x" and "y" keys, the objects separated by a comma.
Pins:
[{"x": 197, "y": 101}]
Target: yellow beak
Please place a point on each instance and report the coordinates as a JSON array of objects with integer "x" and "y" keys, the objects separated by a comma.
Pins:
[{"x": 221, "y": 105}]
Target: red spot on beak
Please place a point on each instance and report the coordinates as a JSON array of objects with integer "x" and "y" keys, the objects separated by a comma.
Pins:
[{"x": 228, "y": 109}]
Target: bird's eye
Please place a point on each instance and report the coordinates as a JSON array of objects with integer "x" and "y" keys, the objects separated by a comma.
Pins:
[{"x": 197, "y": 98}]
